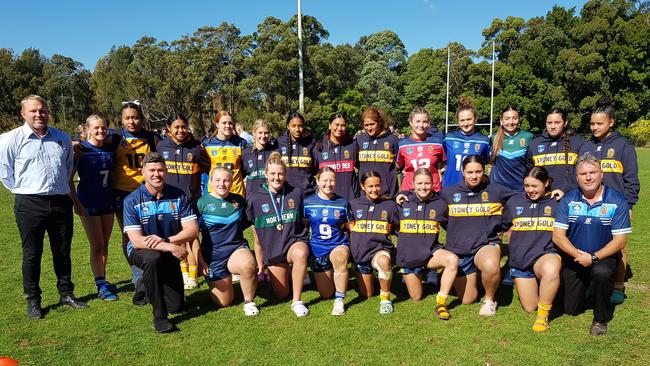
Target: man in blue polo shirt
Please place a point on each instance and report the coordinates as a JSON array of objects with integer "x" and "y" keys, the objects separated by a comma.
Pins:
[
  {"x": 591, "y": 228},
  {"x": 158, "y": 220}
]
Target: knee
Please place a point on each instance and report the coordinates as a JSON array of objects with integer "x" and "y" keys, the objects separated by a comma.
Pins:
[
  {"x": 300, "y": 253},
  {"x": 384, "y": 263},
  {"x": 468, "y": 300},
  {"x": 551, "y": 272},
  {"x": 339, "y": 259},
  {"x": 601, "y": 274},
  {"x": 153, "y": 258},
  {"x": 489, "y": 268},
  {"x": 451, "y": 263},
  {"x": 529, "y": 308},
  {"x": 416, "y": 297}
]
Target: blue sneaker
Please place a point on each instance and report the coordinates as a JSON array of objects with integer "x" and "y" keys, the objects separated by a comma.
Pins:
[
  {"x": 617, "y": 298},
  {"x": 105, "y": 294}
]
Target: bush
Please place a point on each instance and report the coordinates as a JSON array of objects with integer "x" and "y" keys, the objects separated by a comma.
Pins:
[{"x": 639, "y": 132}]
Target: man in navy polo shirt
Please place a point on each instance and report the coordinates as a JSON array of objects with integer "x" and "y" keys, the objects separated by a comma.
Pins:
[
  {"x": 158, "y": 220},
  {"x": 591, "y": 228}
]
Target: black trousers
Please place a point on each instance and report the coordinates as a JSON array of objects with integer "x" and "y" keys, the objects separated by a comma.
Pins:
[
  {"x": 576, "y": 279},
  {"x": 36, "y": 215},
  {"x": 162, "y": 279}
]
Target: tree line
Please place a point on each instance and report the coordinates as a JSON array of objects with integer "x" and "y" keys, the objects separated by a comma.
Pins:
[{"x": 566, "y": 59}]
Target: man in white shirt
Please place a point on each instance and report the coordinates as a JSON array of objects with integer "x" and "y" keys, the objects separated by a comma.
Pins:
[{"x": 35, "y": 165}]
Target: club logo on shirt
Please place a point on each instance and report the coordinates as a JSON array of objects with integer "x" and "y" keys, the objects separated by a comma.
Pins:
[
  {"x": 292, "y": 203},
  {"x": 466, "y": 145},
  {"x": 456, "y": 197},
  {"x": 337, "y": 214},
  {"x": 485, "y": 197},
  {"x": 420, "y": 148},
  {"x": 325, "y": 155},
  {"x": 260, "y": 157},
  {"x": 548, "y": 211},
  {"x": 365, "y": 145},
  {"x": 456, "y": 144},
  {"x": 384, "y": 215},
  {"x": 165, "y": 154},
  {"x": 265, "y": 207},
  {"x": 409, "y": 151},
  {"x": 430, "y": 148},
  {"x": 172, "y": 206},
  {"x": 541, "y": 148},
  {"x": 250, "y": 163},
  {"x": 359, "y": 214},
  {"x": 189, "y": 156},
  {"x": 386, "y": 145},
  {"x": 284, "y": 150},
  {"x": 603, "y": 210},
  {"x": 432, "y": 213},
  {"x": 224, "y": 205},
  {"x": 519, "y": 210},
  {"x": 346, "y": 154},
  {"x": 406, "y": 211},
  {"x": 553, "y": 143},
  {"x": 477, "y": 147},
  {"x": 210, "y": 207},
  {"x": 213, "y": 152},
  {"x": 305, "y": 151},
  {"x": 610, "y": 153},
  {"x": 325, "y": 212},
  {"x": 576, "y": 207},
  {"x": 522, "y": 142}
]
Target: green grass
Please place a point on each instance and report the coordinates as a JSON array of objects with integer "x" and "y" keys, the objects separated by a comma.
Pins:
[{"x": 120, "y": 333}]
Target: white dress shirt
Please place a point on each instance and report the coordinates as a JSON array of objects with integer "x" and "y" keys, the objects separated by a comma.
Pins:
[{"x": 30, "y": 164}]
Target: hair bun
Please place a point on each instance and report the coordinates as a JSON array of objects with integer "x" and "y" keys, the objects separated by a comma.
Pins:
[
  {"x": 604, "y": 101},
  {"x": 464, "y": 102}
]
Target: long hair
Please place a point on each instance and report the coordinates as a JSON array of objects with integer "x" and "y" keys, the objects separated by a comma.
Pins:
[
  {"x": 566, "y": 136},
  {"x": 217, "y": 117},
  {"x": 375, "y": 115},
  {"x": 498, "y": 138},
  {"x": 541, "y": 174}
]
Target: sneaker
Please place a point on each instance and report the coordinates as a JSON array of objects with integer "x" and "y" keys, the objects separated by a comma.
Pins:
[
  {"x": 235, "y": 278},
  {"x": 339, "y": 307},
  {"x": 250, "y": 309},
  {"x": 299, "y": 309},
  {"x": 617, "y": 298},
  {"x": 104, "y": 293},
  {"x": 34, "y": 310},
  {"x": 598, "y": 328},
  {"x": 190, "y": 284},
  {"x": 489, "y": 308},
  {"x": 163, "y": 325},
  {"x": 385, "y": 307}
]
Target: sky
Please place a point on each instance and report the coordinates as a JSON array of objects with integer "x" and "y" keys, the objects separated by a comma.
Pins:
[{"x": 86, "y": 30}]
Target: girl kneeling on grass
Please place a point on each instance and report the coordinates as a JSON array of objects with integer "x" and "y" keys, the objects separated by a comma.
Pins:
[
  {"x": 420, "y": 216},
  {"x": 327, "y": 214},
  {"x": 533, "y": 257},
  {"x": 223, "y": 220},
  {"x": 474, "y": 213},
  {"x": 275, "y": 210},
  {"x": 375, "y": 218}
]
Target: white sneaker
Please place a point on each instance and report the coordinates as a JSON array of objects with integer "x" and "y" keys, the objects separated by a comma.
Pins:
[
  {"x": 339, "y": 307},
  {"x": 235, "y": 278},
  {"x": 385, "y": 307},
  {"x": 299, "y": 309},
  {"x": 489, "y": 308},
  {"x": 250, "y": 309},
  {"x": 190, "y": 284}
]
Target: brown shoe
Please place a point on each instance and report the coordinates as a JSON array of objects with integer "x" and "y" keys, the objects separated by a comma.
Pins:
[{"x": 598, "y": 328}]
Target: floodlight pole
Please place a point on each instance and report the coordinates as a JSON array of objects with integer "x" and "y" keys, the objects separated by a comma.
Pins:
[
  {"x": 301, "y": 97},
  {"x": 492, "y": 90},
  {"x": 447, "y": 102}
]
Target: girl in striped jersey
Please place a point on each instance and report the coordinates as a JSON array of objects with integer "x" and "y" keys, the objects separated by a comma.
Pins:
[
  {"x": 224, "y": 251},
  {"x": 421, "y": 215},
  {"x": 420, "y": 150},
  {"x": 463, "y": 142},
  {"x": 93, "y": 199},
  {"x": 474, "y": 213},
  {"x": 276, "y": 211},
  {"x": 557, "y": 150},
  {"x": 534, "y": 263},
  {"x": 226, "y": 149},
  {"x": 375, "y": 219},
  {"x": 509, "y": 148},
  {"x": 327, "y": 214}
]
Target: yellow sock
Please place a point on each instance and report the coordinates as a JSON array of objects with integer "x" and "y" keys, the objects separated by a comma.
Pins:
[
  {"x": 193, "y": 272},
  {"x": 541, "y": 321},
  {"x": 543, "y": 309},
  {"x": 184, "y": 266},
  {"x": 383, "y": 296},
  {"x": 441, "y": 299}
]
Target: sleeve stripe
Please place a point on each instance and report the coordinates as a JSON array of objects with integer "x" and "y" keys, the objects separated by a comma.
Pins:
[
  {"x": 560, "y": 225},
  {"x": 132, "y": 228},
  {"x": 188, "y": 218},
  {"x": 622, "y": 231}
]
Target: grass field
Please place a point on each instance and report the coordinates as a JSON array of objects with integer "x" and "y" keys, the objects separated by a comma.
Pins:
[{"x": 120, "y": 333}]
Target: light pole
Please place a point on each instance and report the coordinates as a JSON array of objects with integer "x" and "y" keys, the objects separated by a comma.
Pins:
[{"x": 301, "y": 97}]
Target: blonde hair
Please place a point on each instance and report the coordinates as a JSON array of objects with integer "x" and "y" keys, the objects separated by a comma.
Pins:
[
  {"x": 95, "y": 117},
  {"x": 260, "y": 123},
  {"x": 221, "y": 169},
  {"x": 35, "y": 97},
  {"x": 275, "y": 159}
]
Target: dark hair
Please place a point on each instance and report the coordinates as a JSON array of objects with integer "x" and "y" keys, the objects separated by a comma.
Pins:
[
  {"x": 175, "y": 117},
  {"x": 498, "y": 138},
  {"x": 290, "y": 139},
  {"x": 566, "y": 135},
  {"x": 605, "y": 105},
  {"x": 132, "y": 105},
  {"x": 465, "y": 104},
  {"x": 153, "y": 157},
  {"x": 320, "y": 144},
  {"x": 473, "y": 159},
  {"x": 369, "y": 174},
  {"x": 541, "y": 174}
]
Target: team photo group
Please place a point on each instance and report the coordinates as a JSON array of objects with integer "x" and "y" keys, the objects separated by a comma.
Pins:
[{"x": 438, "y": 208}]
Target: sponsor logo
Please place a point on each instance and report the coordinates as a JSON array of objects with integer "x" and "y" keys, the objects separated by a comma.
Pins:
[
  {"x": 346, "y": 154},
  {"x": 432, "y": 213},
  {"x": 610, "y": 153},
  {"x": 189, "y": 156},
  {"x": 325, "y": 212},
  {"x": 386, "y": 145},
  {"x": 292, "y": 203},
  {"x": 420, "y": 148},
  {"x": 466, "y": 145},
  {"x": 485, "y": 197},
  {"x": 522, "y": 142},
  {"x": 548, "y": 211},
  {"x": 384, "y": 215}
]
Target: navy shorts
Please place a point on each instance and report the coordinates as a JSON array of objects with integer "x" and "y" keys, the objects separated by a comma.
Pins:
[
  {"x": 519, "y": 273},
  {"x": 364, "y": 268},
  {"x": 99, "y": 211},
  {"x": 466, "y": 265},
  {"x": 119, "y": 197},
  {"x": 320, "y": 264},
  {"x": 218, "y": 267},
  {"x": 415, "y": 270}
]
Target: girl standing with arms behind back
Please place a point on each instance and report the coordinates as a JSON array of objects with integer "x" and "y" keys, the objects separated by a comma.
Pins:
[{"x": 509, "y": 148}]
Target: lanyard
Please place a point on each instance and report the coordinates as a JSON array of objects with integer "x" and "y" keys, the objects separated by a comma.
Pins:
[{"x": 275, "y": 207}]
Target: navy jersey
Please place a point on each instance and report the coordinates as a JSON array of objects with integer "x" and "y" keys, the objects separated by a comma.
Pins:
[
  {"x": 474, "y": 215},
  {"x": 618, "y": 161},
  {"x": 373, "y": 224},
  {"x": 222, "y": 223},
  {"x": 511, "y": 163},
  {"x": 185, "y": 162},
  {"x": 457, "y": 147},
  {"x": 380, "y": 154},
  {"x": 419, "y": 227},
  {"x": 163, "y": 216},
  {"x": 95, "y": 170},
  {"x": 300, "y": 164},
  {"x": 253, "y": 163},
  {"x": 277, "y": 234},
  {"x": 590, "y": 228},
  {"x": 326, "y": 219},
  {"x": 532, "y": 225},
  {"x": 343, "y": 159},
  {"x": 550, "y": 153}
]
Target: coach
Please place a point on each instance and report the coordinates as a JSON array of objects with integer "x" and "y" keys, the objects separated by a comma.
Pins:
[
  {"x": 159, "y": 220},
  {"x": 35, "y": 165},
  {"x": 591, "y": 228}
]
